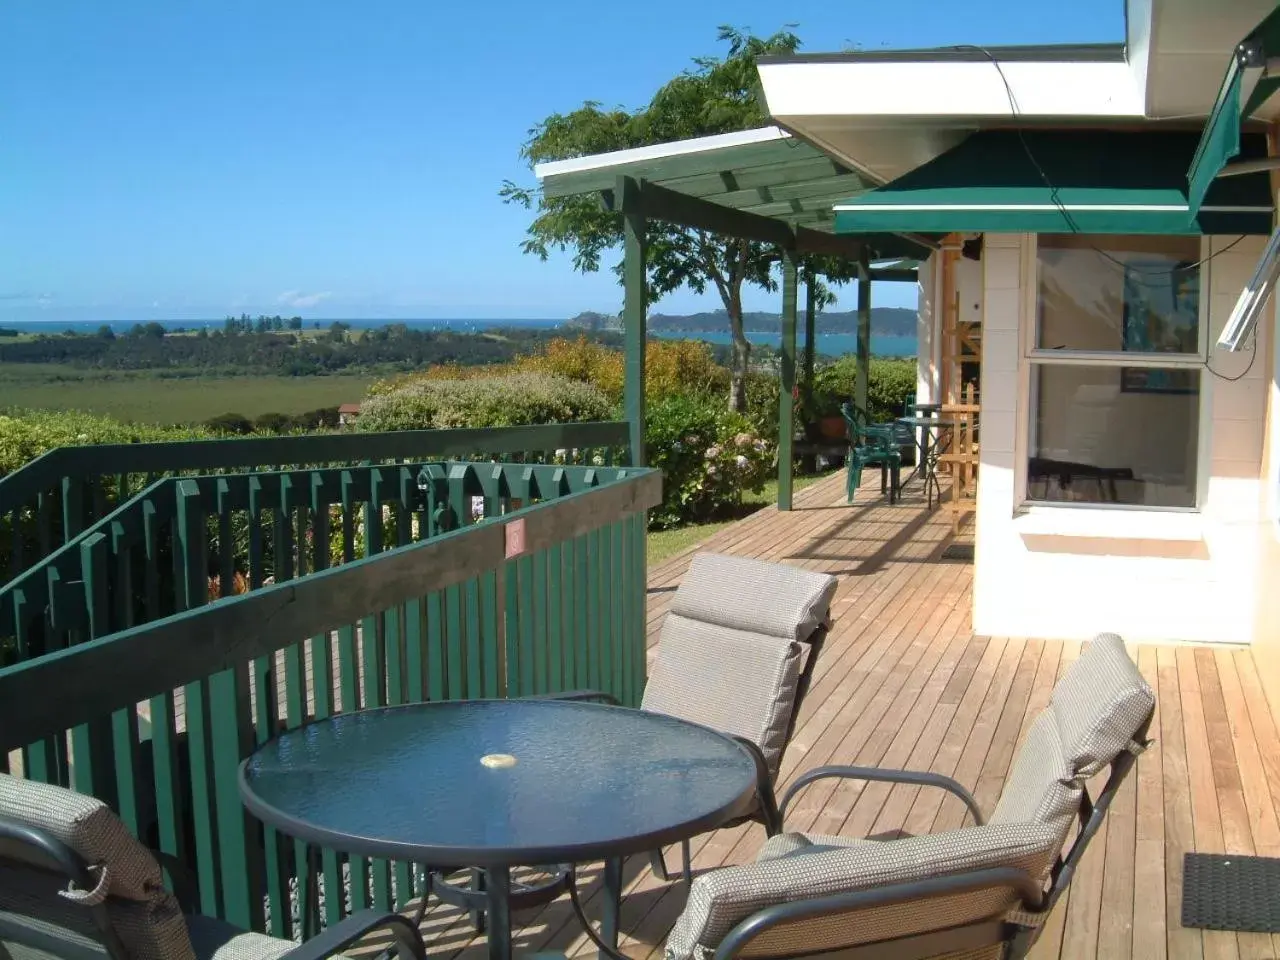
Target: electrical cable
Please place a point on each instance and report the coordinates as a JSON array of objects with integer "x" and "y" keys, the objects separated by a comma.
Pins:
[{"x": 1075, "y": 228}]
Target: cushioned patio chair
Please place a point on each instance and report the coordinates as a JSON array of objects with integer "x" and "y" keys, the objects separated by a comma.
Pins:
[
  {"x": 976, "y": 892},
  {"x": 75, "y": 884},
  {"x": 767, "y": 620},
  {"x": 736, "y": 654}
]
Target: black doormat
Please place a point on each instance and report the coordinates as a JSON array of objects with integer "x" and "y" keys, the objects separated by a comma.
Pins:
[
  {"x": 1231, "y": 893},
  {"x": 958, "y": 551}
]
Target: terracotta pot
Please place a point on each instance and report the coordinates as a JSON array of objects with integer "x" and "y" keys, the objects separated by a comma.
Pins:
[{"x": 832, "y": 428}]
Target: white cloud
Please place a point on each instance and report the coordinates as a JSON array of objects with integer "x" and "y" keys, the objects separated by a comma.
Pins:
[{"x": 298, "y": 299}]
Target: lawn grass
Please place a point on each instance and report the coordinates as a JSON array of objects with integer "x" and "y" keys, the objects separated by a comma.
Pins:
[
  {"x": 154, "y": 400},
  {"x": 661, "y": 544}
]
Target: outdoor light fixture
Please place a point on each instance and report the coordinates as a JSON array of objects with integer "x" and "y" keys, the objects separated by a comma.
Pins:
[
  {"x": 1256, "y": 294},
  {"x": 972, "y": 248}
]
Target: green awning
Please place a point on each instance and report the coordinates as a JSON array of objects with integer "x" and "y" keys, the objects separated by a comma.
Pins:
[
  {"x": 1220, "y": 141},
  {"x": 1061, "y": 181}
]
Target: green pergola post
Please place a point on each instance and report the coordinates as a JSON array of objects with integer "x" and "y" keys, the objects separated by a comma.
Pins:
[
  {"x": 864, "y": 331},
  {"x": 809, "y": 343},
  {"x": 786, "y": 391},
  {"x": 634, "y": 323}
]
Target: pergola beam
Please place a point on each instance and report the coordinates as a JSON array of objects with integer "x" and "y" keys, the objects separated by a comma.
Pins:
[{"x": 660, "y": 203}]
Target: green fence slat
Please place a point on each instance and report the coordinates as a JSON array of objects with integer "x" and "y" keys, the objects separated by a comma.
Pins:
[
  {"x": 489, "y": 614},
  {"x": 437, "y": 675},
  {"x": 640, "y": 612},
  {"x": 617, "y": 607},
  {"x": 541, "y": 653},
  {"x": 555, "y": 627},
  {"x": 192, "y": 591},
  {"x": 124, "y": 722},
  {"x": 472, "y": 639},
  {"x": 595, "y": 677},
  {"x": 581, "y": 605},
  {"x": 524, "y": 575},
  {"x": 455, "y": 645},
  {"x": 511, "y": 628},
  {"x": 604, "y": 637}
]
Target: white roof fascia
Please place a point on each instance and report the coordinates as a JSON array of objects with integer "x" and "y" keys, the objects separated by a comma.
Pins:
[
  {"x": 938, "y": 89},
  {"x": 660, "y": 151}
]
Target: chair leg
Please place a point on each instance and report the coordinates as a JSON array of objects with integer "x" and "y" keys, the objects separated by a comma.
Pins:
[{"x": 687, "y": 856}]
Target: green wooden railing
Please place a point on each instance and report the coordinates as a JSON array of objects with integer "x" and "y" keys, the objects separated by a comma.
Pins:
[
  {"x": 52, "y": 499},
  {"x": 129, "y": 682}
]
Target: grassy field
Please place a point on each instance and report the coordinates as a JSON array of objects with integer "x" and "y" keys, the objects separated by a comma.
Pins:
[
  {"x": 153, "y": 400},
  {"x": 661, "y": 544}
]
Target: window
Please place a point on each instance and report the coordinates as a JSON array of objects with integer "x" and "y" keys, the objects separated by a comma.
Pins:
[{"x": 1116, "y": 371}]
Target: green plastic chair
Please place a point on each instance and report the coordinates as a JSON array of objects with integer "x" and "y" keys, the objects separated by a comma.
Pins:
[{"x": 871, "y": 445}]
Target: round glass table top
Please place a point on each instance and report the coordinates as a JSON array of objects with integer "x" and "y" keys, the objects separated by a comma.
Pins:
[{"x": 492, "y": 782}]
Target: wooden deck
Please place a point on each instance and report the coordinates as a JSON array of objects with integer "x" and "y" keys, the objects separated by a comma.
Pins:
[{"x": 903, "y": 682}]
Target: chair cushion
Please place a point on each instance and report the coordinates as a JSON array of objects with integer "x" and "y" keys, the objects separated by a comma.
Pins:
[
  {"x": 1100, "y": 703},
  {"x": 144, "y": 915},
  {"x": 789, "y": 844},
  {"x": 1041, "y": 786},
  {"x": 215, "y": 939},
  {"x": 719, "y": 900},
  {"x": 754, "y": 596},
  {"x": 90, "y": 828},
  {"x": 31, "y": 905},
  {"x": 743, "y": 684}
]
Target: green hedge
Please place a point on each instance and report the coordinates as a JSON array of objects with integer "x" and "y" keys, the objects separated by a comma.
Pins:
[
  {"x": 26, "y": 434},
  {"x": 499, "y": 401},
  {"x": 891, "y": 384}
]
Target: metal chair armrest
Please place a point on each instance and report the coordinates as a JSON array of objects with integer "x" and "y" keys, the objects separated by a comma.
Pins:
[
  {"x": 1031, "y": 892},
  {"x": 764, "y": 789},
  {"x": 919, "y": 777},
  {"x": 408, "y": 942}
]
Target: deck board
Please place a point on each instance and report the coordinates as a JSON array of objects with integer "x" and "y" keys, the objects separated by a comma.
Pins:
[{"x": 903, "y": 681}]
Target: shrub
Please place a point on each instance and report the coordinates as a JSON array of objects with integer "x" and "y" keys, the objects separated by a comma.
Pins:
[
  {"x": 232, "y": 423},
  {"x": 492, "y": 401},
  {"x": 671, "y": 366},
  {"x": 708, "y": 456},
  {"x": 26, "y": 434},
  {"x": 273, "y": 423},
  {"x": 891, "y": 382}
]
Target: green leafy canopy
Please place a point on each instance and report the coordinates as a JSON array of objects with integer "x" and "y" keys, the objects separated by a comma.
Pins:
[{"x": 716, "y": 95}]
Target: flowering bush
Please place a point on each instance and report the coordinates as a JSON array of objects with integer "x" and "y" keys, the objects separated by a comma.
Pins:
[
  {"x": 708, "y": 457},
  {"x": 490, "y": 401}
]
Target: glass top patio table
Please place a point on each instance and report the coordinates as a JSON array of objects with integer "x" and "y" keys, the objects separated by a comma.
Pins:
[{"x": 498, "y": 782}]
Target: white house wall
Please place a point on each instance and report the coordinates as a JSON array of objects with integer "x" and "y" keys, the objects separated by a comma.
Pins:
[{"x": 1071, "y": 572}]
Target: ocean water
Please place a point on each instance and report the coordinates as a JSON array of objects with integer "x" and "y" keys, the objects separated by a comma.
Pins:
[{"x": 830, "y": 344}]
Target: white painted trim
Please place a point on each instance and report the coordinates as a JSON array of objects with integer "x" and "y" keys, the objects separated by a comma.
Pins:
[
  {"x": 902, "y": 90},
  {"x": 659, "y": 151},
  {"x": 1037, "y": 207},
  {"x": 1109, "y": 523}
]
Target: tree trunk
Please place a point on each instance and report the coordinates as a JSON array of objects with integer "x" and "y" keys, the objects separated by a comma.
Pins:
[{"x": 741, "y": 361}]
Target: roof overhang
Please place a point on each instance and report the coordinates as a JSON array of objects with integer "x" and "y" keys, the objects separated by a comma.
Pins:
[
  {"x": 886, "y": 114},
  {"x": 764, "y": 185}
]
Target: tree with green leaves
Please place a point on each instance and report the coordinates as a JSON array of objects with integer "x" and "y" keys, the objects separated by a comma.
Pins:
[{"x": 714, "y": 96}]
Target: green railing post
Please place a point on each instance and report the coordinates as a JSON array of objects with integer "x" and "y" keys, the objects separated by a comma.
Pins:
[
  {"x": 786, "y": 391},
  {"x": 864, "y": 331},
  {"x": 635, "y": 301}
]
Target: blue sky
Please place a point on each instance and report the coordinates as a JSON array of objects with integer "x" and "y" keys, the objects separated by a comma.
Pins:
[{"x": 339, "y": 159}]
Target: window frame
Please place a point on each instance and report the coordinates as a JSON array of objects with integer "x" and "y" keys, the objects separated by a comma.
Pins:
[{"x": 1032, "y": 357}]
